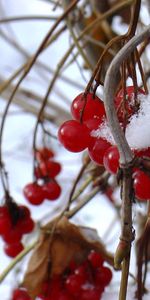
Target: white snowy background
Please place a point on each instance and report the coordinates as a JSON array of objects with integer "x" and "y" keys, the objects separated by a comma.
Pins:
[{"x": 18, "y": 135}]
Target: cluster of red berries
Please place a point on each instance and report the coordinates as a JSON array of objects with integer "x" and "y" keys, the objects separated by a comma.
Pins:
[
  {"x": 20, "y": 294},
  {"x": 86, "y": 282},
  {"x": 141, "y": 180},
  {"x": 12, "y": 227},
  {"x": 45, "y": 185},
  {"x": 88, "y": 113}
]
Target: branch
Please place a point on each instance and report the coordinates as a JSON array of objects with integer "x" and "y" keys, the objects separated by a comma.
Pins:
[{"x": 110, "y": 86}]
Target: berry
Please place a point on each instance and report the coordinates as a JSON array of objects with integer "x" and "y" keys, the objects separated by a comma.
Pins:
[
  {"x": 20, "y": 294},
  {"x": 91, "y": 294},
  {"x": 73, "y": 284},
  {"x": 44, "y": 154},
  {"x": 103, "y": 276},
  {"x": 129, "y": 104},
  {"x": 97, "y": 150},
  {"x": 34, "y": 193},
  {"x": 95, "y": 259},
  {"x": 81, "y": 272},
  {"x": 142, "y": 152},
  {"x": 13, "y": 236},
  {"x": 51, "y": 190},
  {"x": 26, "y": 226},
  {"x": 48, "y": 168},
  {"x": 13, "y": 249},
  {"x": 141, "y": 185},
  {"x": 111, "y": 159},
  {"x": 74, "y": 136},
  {"x": 24, "y": 212},
  {"x": 5, "y": 222},
  {"x": 93, "y": 124},
  {"x": 90, "y": 106}
]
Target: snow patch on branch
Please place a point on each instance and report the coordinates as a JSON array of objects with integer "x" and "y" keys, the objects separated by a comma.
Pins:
[{"x": 138, "y": 129}]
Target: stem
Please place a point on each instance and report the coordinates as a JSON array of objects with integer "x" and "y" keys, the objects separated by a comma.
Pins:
[
  {"x": 110, "y": 86},
  {"x": 126, "y": 157},
  {"x": 68, "y": 214},
  {"x": 29, "y": 66},
  {"x": 124, "y": 278},
  {"x": 75, "y": 39},
  {"x": 28, "y": 18},
  {"x": 134, "y": 18},
  {"x": 79, "y": 176},
  {"x": 16, "y": 260}
]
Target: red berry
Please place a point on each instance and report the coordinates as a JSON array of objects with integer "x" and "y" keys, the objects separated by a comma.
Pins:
[
  {"x": 34, "y": 193},
  {"x": 91, "y": 107},
  {"x": 44, "y": 154},
  {"x": 74, "y": 136},
  {"x": 5, "y": 221},
  {"x": 97, "y": 151},
  {"x": 64, "y": 296},
  {"x": 20, "y": 294},
  {"x": 48, "y": 168},
  {"x": 93, "y": 124},
  {"x": 73, "y": 284},
  {"x": 142, "y": 152},
  {"x": 81, "y": 271},
  {"x": 111, "y": 159},
  {"x": 91, "y": 293},
  {"x": 103, "y": 276},
  {"x": 13, "y": 236},
  {"x": 142, "y": 185},
  {"x": 129, "y": 104},
  {"x": 26, "y": 226},
  {"x": 95, "y": 259},
  {"x": 52, "y": 190},
  {"x": 24, "y": 211},
  {"x": 13, "y": 249}
]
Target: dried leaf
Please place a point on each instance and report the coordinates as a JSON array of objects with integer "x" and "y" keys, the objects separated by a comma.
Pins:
[{"x": 55, "y": 250}]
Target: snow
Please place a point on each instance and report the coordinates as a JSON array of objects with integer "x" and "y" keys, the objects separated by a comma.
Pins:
[
  {"x": 137, "y": 131},
  {"x": 17, "y": 143}
]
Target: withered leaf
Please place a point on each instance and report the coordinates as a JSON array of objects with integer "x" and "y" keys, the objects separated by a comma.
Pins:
[{"x": 56, "y": 248}]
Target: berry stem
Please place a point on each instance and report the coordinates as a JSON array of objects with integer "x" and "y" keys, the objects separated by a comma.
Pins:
[
  {"x": 18, "y": 258},
  {"x": 124, "y": 278}
]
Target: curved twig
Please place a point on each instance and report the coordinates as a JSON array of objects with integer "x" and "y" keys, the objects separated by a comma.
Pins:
[{"x": 110, "y": 86}]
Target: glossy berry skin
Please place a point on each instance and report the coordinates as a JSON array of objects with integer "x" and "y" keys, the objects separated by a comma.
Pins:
[
  {"x": 129, "y": 104},
  {"x": 13, "y": 236},
  {"x": 73, "y": 284},
  {"x": 51, "y": 190},
  {"x": 74, "y": 136},
  {"x": 13, "y": 250},
  {"x": 111, "y": 159},
  {"x": 34, "y": 193},
  {"x": 95, "y": 259},
  {"x": 141, "y": 185},
  {"x": 20, "y": 294},
  {"x": 142, "y": 152},
  {"x": 44, "y": 154},
  {"x": 93, "y": 124},
  {"x": 91, "y": 106},
  {"x": 98, "y": 149},
  {"x": 48, "y": 168},
  {"x": 26, "y": 226},
  {"x": 91, "y": 294},
  {"x": 103, "y": 276},
  {"x": 5, "y": 222}
]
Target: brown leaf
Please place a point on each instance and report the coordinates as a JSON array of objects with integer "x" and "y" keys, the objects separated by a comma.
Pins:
[{"x": 55, "y": 250}]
